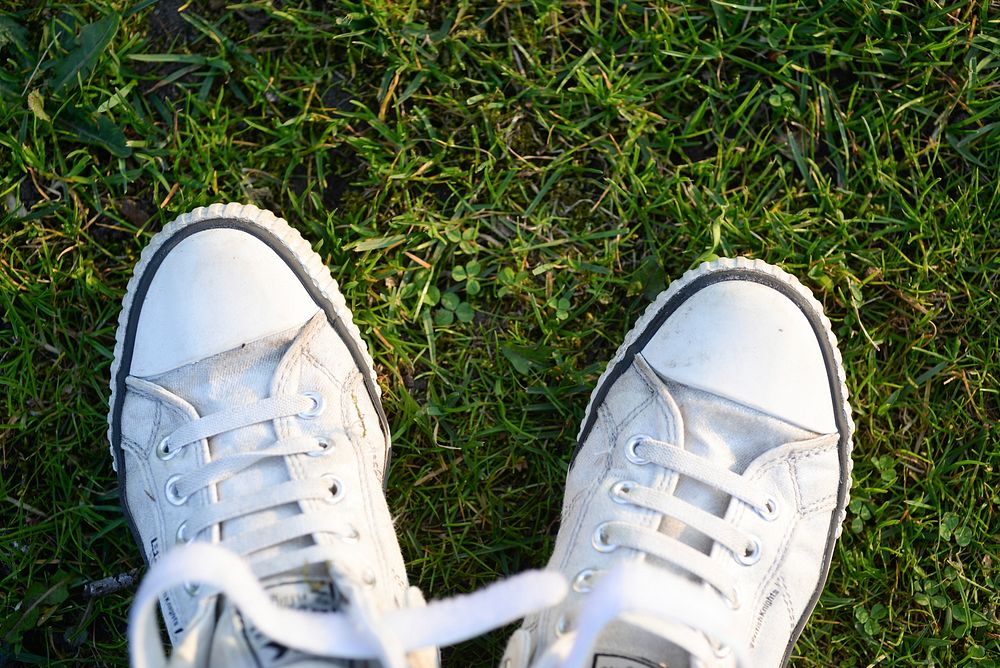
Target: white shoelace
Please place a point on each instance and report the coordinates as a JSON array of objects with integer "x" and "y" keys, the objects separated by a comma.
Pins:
[
  {"x": 179, "y": 488},
  {"x": 360, "y": 633},
  {"x": 231, "y": 568},
  {"x": 673, "y": 608},
  {"x": 745, "y": 548},
  {"x": 667, "y": 603}
]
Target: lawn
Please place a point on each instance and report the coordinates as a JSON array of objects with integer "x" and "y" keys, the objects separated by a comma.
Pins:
[{"x": 500, "y": 189}]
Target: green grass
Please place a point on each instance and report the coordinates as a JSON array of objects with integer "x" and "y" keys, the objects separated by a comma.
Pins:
[{"x": 580, "y": 157}]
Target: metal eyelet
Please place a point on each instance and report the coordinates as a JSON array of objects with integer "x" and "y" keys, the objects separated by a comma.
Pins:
[
  {"x": 583, "y": 582},
  {"x": 326, "y": 447},
  {"x": 163, "y": 451},
  {"x": 319, "y": 404},
  {"x": 770, "y": 510},
  {"x": 750, "y": 554},
  {"x": 352, "y": 537},
  {"x": 170, "y": 489},
  {"x": 600, "y": 541},
  {"x": 562, "y": 625},
  {"x": 622, "y": 489},
  {"x": 368, "y": 578},
  {"x": 630, "y": 450},
  {"x": 336, "y": 488},
  {"x": 181, "y": 530},
  {"x": 191, "y": 588}
]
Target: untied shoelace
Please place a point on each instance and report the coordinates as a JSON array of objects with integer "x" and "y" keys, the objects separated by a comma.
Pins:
[
  {"x": 230, "y": 567},
  {"x": 365, "y": 634}
]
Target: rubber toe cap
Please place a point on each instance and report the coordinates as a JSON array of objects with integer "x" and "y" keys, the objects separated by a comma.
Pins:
[
  {"x": 752, "y": 344},
  {"x": 215, "y": 290}
]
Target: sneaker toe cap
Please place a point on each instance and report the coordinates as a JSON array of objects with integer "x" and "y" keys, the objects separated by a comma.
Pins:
[
  {"x": 750, "y": 343},
  {"x": 213, "y": 291}
]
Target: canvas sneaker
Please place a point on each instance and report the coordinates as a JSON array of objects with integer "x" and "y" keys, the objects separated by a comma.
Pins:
[
  {"x": 709, "y": 484},
  {"x": 245, "y": 419}
]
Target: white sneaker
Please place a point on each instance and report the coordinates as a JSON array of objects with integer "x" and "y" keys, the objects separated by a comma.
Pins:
[
  {"x": 709, "y": 485},
  {"x": 245, "y": 414}
]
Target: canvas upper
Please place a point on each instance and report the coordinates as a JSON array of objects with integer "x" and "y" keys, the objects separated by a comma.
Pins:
[
  {"x": 709, "y": 485},
  {"x": 245, "y": 414}
]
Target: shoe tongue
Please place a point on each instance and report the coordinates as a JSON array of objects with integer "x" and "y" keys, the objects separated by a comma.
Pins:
[
  {"x": 237, "y": 642},
  {"x": 229, "y": 380},
  {"x": 625, "y": 646},
  {"x": 622, "y": 645}
]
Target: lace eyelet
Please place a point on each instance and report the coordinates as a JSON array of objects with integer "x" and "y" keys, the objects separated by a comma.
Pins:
[
  {"x": 600, "y": 541},
  {"x": 180, "y": 536},
  {"x": 770, "y": 510},
  {"x": 319, "y": 405},
  {"x": 170, "y": 489},
  {"x": 630, "y": 450},
  {"x": 751, "y": 554},
  {"x": 368, "y": 578},
  {"x": 622, "y": 489},
  {"x": 562, "y": 625},
  {"x": 191, "y": 588},
  {"x": 584, "y": 580},
  {"x": 336, "y": 488},
  {"x": 163, "y": 451},
  {"x": 326, "y": 447}
]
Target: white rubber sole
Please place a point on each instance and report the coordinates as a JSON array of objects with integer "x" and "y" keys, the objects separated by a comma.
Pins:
[
  {"x": 726, "y": 264},
  {"x": 308, "y": 260}
]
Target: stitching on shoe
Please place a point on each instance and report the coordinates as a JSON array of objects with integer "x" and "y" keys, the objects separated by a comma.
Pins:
[
  {"x": 793, "y": 470},
  {"x": 612, "y": 427},
  {"x": 157, "y": 423},
  {"x": 350, "y": 408},
  {"x": 808, "y": 454},
  {"x": 297, "y": 470},
  {"x": 146, "y": 479},
  {"x": 158, "y": 403},
  {"x": 162, "y": 405},
  {"x": 656, "y": 398},
  {"x": 794, "y": 459},
  {"x": 587, "y": 497},
  {"x": 666, "y": 479},
  {"x": 630, "y": 416},
  {"x": 784, "y": 544},
  {"x": 133, "y": 447},
  {"x": 821, "y": 505},
  {"x": 175, "y": 412},
  {"x": 645, "y": 518},
  {"x": 345, "y": 419},
  {"x": 783, "y": 588},
  {"x": 288, "y": 363},
  {"x": 583, "y": 500},
  {"x": 303, "y": 357},
  {"x": 319, "y": 365},
  {"x": 375, "y": 546}
]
